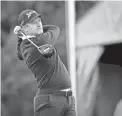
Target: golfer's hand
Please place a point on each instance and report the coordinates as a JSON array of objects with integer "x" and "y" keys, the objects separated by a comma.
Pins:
[
  {"x": 46, "y": 50},
  {"x": 19, "y": 32}
]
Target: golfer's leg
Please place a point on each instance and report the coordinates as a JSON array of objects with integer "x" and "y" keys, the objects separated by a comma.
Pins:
[
  {"x": 44, "y": 107},
  {"x": 49, "y": 111},
  {"x": 71, "y": 111},
  {"x": 55, "y": 107}
]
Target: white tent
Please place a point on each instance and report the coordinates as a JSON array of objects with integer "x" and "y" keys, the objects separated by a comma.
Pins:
[
  {"x": 100, "y": 26},
  {"x": 103, "y": 24}
]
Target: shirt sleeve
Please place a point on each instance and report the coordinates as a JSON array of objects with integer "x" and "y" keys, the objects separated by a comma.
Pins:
[{"x": 49, "y": 36}]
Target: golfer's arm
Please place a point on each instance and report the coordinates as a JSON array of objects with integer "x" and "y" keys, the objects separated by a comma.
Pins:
[
  {"x": 49, "y": 36},
  {"x": 51, "y": 33}
]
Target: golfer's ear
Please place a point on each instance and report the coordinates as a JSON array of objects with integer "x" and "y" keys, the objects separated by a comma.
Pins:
[{"x": 24, "y": 28}]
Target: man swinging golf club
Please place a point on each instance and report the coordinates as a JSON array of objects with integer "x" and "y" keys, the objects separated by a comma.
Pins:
[{"x": 36, "y": 46}]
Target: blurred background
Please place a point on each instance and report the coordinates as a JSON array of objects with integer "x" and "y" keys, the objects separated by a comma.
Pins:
[{"x": 18, "y": 83}]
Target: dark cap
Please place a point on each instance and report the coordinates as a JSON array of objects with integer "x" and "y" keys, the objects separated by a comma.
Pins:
[{"x": 27, "y": 16}]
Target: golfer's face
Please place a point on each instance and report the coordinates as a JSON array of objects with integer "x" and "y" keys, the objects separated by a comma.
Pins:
[{"x": 35, "y": 27}]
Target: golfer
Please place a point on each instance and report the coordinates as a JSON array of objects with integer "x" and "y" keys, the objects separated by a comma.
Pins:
[{"x": 36, "y": 47}]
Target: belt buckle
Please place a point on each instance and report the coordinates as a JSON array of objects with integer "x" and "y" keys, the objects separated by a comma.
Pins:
[{"x": 66, "y": 91}]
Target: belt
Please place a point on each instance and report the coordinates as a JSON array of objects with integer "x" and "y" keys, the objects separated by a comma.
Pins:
[{"x": 62, "y": 93}]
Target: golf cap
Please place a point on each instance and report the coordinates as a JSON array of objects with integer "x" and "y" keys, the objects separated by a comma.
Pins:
[{"x": 27, "y": 16}]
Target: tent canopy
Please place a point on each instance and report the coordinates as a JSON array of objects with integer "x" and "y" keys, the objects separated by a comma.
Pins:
[{"x": 101, "y": 25}]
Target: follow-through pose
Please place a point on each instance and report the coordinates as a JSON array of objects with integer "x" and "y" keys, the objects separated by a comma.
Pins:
[{"x": 36, "y": 46}]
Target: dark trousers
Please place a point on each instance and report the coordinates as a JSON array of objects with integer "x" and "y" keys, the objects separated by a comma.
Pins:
[{"x": 54, "y": 105}]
